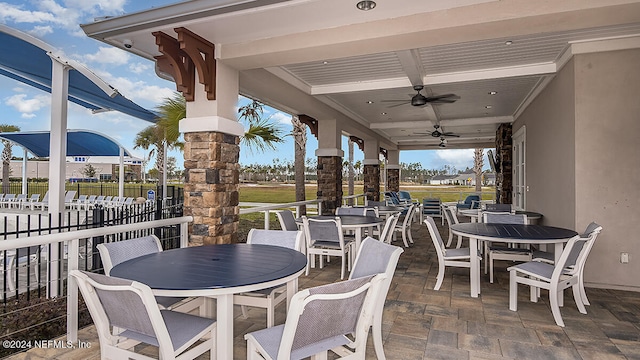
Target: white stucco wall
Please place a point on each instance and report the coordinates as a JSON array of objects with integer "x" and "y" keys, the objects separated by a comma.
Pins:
[{"x": 583, "y": 159}]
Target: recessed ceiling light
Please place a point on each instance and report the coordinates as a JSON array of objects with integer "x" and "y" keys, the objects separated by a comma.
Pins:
[
  {"x": 488, "y": 107},
  {"x": 369, "y": 102},
  {"x": 492, "y": 92},
  {"x": 508, "y": 42},
  {"x": 384, "y": 113},
  {"x": 325, "y": 62},
  {"x": 366, "y": 5}
]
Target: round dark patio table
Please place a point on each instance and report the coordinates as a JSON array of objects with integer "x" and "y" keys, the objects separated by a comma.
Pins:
[{"x": 216, "y": 271}]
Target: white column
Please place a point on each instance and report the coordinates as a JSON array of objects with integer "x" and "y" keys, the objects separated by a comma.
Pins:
[
  {"x": 57, "y": 157},
  {"x": 24, "y": 171},
  {"x": 121, "y": 172},
  {"x": 329, "y": 138}
]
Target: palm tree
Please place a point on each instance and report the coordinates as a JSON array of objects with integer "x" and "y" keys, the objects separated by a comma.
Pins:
[
  {"x": 350, "y": 171},
  {"x": 6, "y": 156},
  {"x": 299, "y": 133},
  {"x": 478, "y": 162}
]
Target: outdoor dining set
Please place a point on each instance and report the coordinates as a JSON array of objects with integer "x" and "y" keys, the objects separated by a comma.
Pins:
[{"x": 169, "y": 295}]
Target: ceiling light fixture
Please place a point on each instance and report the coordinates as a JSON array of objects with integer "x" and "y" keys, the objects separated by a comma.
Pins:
[
  {"x": 384, "y": 113},
  {"x": 508, "y": 42},
  {"x": 488, "y": 107},
  {"x": 369, "y": 102},
  {"x": 492, "y": 92},
  {"x": 325, "y": 62},
  {"x": 366, "y": 5}
]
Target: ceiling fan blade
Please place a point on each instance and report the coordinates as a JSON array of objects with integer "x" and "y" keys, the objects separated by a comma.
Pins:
[
  {"x": 443, "y": 99},
  {"x": 450, "y": 134},
  {"x": 404, "y": 100}
]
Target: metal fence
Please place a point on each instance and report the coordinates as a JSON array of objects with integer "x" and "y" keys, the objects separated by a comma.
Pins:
[
  {"x": 174, "y": 192},
  {"x": 33, "y": 279}
]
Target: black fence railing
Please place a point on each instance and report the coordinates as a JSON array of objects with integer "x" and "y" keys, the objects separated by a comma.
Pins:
[
  {"x": 28, "y": 276},
  {"x": 174, "y": 192}
]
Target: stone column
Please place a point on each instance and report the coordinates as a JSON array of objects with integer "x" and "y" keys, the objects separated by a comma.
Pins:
[
  {"x": 330, "y": 156},
  {"x": 371, "y": 169},
  {"x": 211, "y": 186},
  {"x": 504, "y": 174},
  {"x": 211, "y": 155},
  {"x": 330, "y": 183},
  {"x": 371, "y": 174},
  {"x": 393, "y": 170}
]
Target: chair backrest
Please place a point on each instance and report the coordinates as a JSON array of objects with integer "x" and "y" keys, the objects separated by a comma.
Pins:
[
  {"x": 392, "y": 197},
  {"x": 503, "y": 218},
  {"x": 323, "y": 230},
  {"x": 471, "y": 198},
  {"x": 288, "y": 239},
  {"x": 21, "y": 197},
  {"x": 389, "y": 225},
  {"x": 580, "y": 251},
  {"x": 82, "y": 198},
  {"x": 498, "y": 207},
  {"x": 69, "y": 195},
  {"x": 408, "y": 216},
  {"x": 91, "y": 198},
  {"x": 287, "y": 220},
  {"x": 126, "y": 304},
  {"x": 436, "y": 238},
  {"x": 114, "y": 253},
  {"x": 34, "y": 197},
  {"x": 376, "y": 203},
  {"x": 10, "y": 197},
  {"x": 562, "y": 265},
  {"x": 324, "y": 312},
  {"x": 350, "y": 211},
  {"x": 375, "y": 257},
  {"x": 404, "y": 195},
  {"x": 450, "y": 215},
  {"x": 373, "y": 212},
  {"x": 45, "y": 198}
]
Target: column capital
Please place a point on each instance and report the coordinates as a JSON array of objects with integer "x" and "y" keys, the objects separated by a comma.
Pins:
[
  {"x": 371, "y": 162},
  {"x": 329, "y": 152},
  {"x": 393, "y": 167},
  {"x": 211, "y": 123}
]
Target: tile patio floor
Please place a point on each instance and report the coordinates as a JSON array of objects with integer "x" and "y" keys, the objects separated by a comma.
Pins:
[{"x": 420, "y": 323}]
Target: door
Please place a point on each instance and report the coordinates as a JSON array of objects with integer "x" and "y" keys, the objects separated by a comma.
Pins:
[{"x": 519, "y": 168}]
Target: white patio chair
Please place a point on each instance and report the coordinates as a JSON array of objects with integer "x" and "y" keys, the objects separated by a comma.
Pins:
[
  {"x": 69, "y": 198},
  {"x": 555, "y": 278},
  {"x": 591, "y": 232},
  {"x": 452, "y": 219},
  {"x": 496, "y": 252},
  {"x": 287, "y": 220},
  {"x": 375, "y": 257},
  {"x": 79, "y": 202},
  {"x": 130, "y": 307},
  {"x": 271, "y": 297},
  {"x": 389, "y": 228},
  {"x": 325, "y": 238},
  {"x": 446, "y": 257},
  {"x": 117, "y": 252},
  {"x": 8, "y": 200},
  {"x": 19, "y": 201},
  {"x": 21, "y": 258},
  {"x": 405, "y": 227},
  {"x": 42, "y": 204},
  {"x": 319, "y": 320},
  {"x": 90, "y": 202},
  {"x": 128, "y": 201},
  {"x": 31, "y": 201}
]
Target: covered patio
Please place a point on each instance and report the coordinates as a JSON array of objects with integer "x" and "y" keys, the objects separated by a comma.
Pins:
[
  {"x": 420, "y": 323},
  {"x": 550, "y": 85}
]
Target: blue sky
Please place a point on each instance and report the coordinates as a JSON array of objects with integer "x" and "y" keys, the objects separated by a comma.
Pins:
[{"x": 57, "y": 23}]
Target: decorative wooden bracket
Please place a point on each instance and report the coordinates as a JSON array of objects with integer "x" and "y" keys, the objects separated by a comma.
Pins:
[
  {"x": 181, "y": 59},
  {"x": 176, "y": 63},
  {"x": 384, "y": 152},
  {"x": 310, "y": 122},
  {"x": 358, "y": 141},
  {"x": 202, "y": 53}
]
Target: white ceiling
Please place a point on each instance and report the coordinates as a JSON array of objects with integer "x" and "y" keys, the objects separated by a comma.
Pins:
[{"x": 339, "y": 62}]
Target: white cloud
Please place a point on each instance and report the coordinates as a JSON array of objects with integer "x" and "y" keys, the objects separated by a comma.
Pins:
[
  {"x": 14, "y": 13},
  {"x": 108, "y": 55},
  {"x": 27, "y": 107},
  {"x": 39, "y": 31},
  {"x": 460, "y": 158},
  {"x": 138, "y": 68},
  {"x": 280, "y": 117}
]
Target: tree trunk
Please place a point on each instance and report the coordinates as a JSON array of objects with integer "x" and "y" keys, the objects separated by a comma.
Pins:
[
  {"x": 300, "y": 143},
  {"x": 478, "y": 162},
  {"x": 351, "y": 174}
]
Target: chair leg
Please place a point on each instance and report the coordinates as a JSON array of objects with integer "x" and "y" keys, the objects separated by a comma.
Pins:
[
  {"x": 513, "y": 291},
  {"x": 459, "y": 244},
  {"x": 578, "y": 299},
  {"x": 583, "y": 293},
  {"x": 376, "y": 328},
  {"x": 490, "y": 268},
  {"x": 404, "y": 238},
  {"x": 440, "y": 277},
  {"x": 555, "y": 307},
  {"x": 244, "y": 311},
  {"x": 450, "y": 238},
  {"x": 342, "y": 268},
  {"x": 409, "y": 235}
]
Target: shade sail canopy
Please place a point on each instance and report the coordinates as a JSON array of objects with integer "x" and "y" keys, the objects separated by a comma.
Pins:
[
  {"x": 79, "y": 143},
  {"x": 29, "y": 61}
]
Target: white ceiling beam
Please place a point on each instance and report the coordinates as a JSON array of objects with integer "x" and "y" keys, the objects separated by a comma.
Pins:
[
  {"x": 437, "y": 79},
  {"x": 293, "y": 80},
  {"x": 454, "y": 122},
  {"x": 493, "y": 73},
  {"x": 412, "y": 66},
  {"x": 400, "y": 124},
  {"x": 426, "y": 138},
  {"x": 392, "y": 83}
]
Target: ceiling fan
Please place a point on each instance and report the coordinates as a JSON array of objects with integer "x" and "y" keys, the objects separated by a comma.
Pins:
[
  {"x": 421, "y": 100},
  {"x": 437, "y": 133}
]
